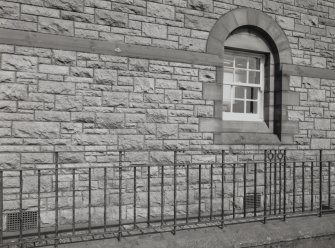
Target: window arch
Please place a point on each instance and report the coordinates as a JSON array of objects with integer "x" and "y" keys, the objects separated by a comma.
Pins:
[{"x": 252, "y": 31}]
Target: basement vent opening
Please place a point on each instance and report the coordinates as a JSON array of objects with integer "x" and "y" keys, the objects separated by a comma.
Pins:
[
  {"x": 29, "y": 221},
  {"x": 249, "y": 200}
]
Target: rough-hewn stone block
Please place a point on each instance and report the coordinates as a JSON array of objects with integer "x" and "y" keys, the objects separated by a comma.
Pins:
[
  {"x": 202, "y": 5},
  {"x": 9, "y": 10},
  {"x": 142, "y": 84},
  {"x": 113, "y": 18},
  {"x": 115, "y": 99},
  {"x": 105, "y": 76},
  {"x": 167, "y": 131},
  {"x": 56, "y": 87},
  {"x": 13, "y": 91},
  {"x": 42, "y": 130},
  {"x": 154, "y": 30},
  {"x": 131, "y": 142},
  {"x": 54, "y": 69},
  {"x": 18, "y": 63},
  {"x": 110, "y": 120},
  {"x": 72, "y": 5},
  {"x": 94, "y": 139},
  {"x": 200, "y": 23},
  {"x": 55, "y": 26},
  {"x": 69, "y": 103},
  {"x": 160, "y": 10}
]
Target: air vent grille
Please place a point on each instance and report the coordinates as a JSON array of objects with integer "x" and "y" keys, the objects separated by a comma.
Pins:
[
  {"x": 249, "y": 200},
  {"x": 29, "y": 221}
]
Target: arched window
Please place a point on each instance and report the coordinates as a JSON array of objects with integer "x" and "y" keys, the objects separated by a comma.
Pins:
[{"x": 250, "y": 107}]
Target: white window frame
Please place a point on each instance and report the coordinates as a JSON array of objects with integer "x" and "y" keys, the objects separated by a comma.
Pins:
[{"x": 259, "y": 116}]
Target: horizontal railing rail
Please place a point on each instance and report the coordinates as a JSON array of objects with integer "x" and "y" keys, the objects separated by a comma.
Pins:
[{"x": 43, "y": 205}]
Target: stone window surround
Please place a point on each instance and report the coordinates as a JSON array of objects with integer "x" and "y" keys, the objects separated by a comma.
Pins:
[{"x": 275, "y": 130}]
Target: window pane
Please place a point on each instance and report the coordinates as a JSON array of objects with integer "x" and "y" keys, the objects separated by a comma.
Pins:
[
  {"x": 251, "y": 107},
  {"x": 241, "y": 76},
  {"x": 254, "y": 77},
  {"x": 228, "y": 61},
  {"x": 226, "y": 106},
  {"x": 238, "y": 106},
  {"x": 254, "y": 63},
  {"x": 226, "y": 92},
  {"x": 239, "y": 92},
  {"x": 252, "y": 93},
  {"x": 228, "y": 75},
  {"x": 241, "y": 62}
]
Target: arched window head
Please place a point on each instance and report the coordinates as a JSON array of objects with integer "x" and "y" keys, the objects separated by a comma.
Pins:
[{"x": 253, "y": 48}]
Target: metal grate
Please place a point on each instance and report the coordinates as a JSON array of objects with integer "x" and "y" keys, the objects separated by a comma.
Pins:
[
  {"x": 29, "y": 221},
  {"x": 249, "y": 200}
]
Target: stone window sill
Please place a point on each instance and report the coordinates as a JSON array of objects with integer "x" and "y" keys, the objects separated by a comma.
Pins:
[{"x": 238, "y": 132}]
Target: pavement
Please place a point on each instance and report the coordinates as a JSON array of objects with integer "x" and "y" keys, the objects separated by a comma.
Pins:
[{"x": 301, "y": 232}]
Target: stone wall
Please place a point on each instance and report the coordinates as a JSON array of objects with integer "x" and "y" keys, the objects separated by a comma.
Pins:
[
  {"x": 176, "y": 24},
  {"x": 63, "y": 99}
]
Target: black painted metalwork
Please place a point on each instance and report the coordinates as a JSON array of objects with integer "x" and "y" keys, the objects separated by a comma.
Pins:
[{"x": 179, "y": 195}]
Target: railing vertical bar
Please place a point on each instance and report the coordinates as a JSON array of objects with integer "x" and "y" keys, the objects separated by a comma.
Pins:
[
  {"x": 21, "y": 208},
  {"x": 280, "y": 163},
  {"x": 222, "y": 188},
  {"x": 265, "y": 186},
  {"x": 175, "y": 193},
  {"x": 149, "y": 206},
  {"x": 244, "y": 189},
  {"x": 89, "y": 200},
  {"x": 320, "y": 184},
  {"x": 312, "y": 186},
  {"x": 187, "y": 191},
  {"x": 303, "y": 186},
  {"x": 285, "y": 182},
  {"x": 329, "y": 185},
  {"x": 255, "y": 189},
  {"x": 162, "y": 196},
  {"x": 73, "y": 201},
  {"x": 275, "y": 183},
  {"x": 199, "y": 203},
  {"x": 211, "y": 195},
  {"x": 1, "y": 206},
  {"x": 120, "y": 197},
  {"x": 234, "y": 185},
  {"x": 270, "y": 184},
  {"x": 135, "y": 196},
  {"x": 56, "y": 199},
  {"x": 38, "y": 204},
  {"x": 105, "y": 199},
  {"x": 294, "y": 186}
]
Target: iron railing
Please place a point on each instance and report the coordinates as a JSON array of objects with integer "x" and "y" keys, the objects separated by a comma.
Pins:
[{"x": 72, "y": 202}]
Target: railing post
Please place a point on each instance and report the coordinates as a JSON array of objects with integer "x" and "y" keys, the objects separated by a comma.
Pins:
[
  {"x": 21, "y": 210},
  {"x": 149, "y": 206},
  {"x": 105, "y": 199},
  {"x": 89, "y": 200},
  {"x": 120, "y": 197},
  {"x": 329, "y": 184},
  {"x": 199, "y": 203},
  {"x": 56, "y": 199},
  {"x": 174, "y": 192},
  {"x": 135, "y": 195},
  {"x": 1, "y": 207},
  {"x": 162, "y": 196},
  {"x": 73, "y": 201},
  {"x": 285, "y": 182},
  {"x": 222, "y": 188},
  {"x": 320, "y": 186},
  {"x": 244, "y": 189},
  {"x": 39, "y": 203},
  {"x": 265, "y": 186}
]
